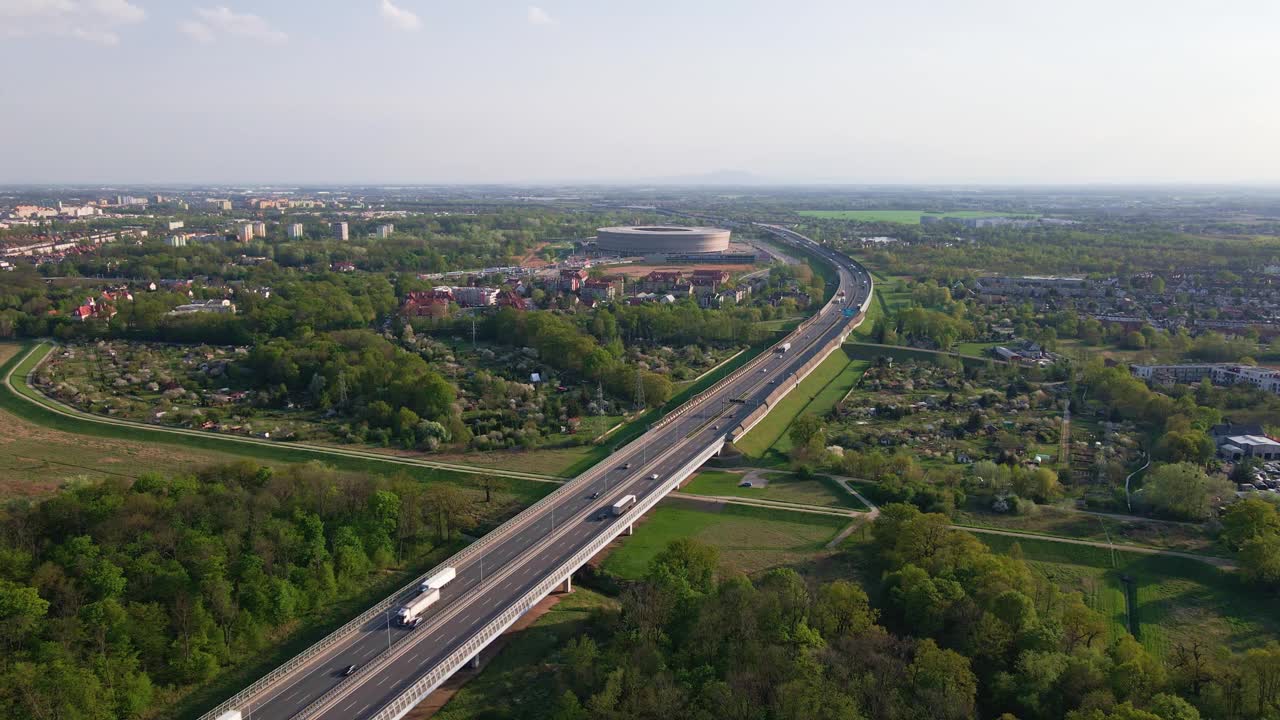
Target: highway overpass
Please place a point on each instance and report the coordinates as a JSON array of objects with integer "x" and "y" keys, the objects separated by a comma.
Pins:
[{"x": 505, "y": 573}]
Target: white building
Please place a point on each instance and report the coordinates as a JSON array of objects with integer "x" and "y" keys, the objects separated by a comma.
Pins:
[
  {"x": 341, "y": 231},
  {"x": 260, "y": 229},
  {"x": 384, "y": 231},
  {"x": 176, "y": 224},
  {"x": 475, "y": 296},
  {"x": 207, "y": 306},
  {"x": 1237, "y": 447},
  {"x": 245, "y": 233},
  {"x": 176, "y": 240},
  {"x": 1262, "y": 378},
  {"x": 295, "y": 231}
]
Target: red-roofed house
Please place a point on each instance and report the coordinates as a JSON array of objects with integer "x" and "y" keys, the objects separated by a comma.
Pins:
[{"x": 571, "y": 280}]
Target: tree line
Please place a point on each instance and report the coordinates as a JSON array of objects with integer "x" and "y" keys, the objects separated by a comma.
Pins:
[{"x": 117, "y": 598}]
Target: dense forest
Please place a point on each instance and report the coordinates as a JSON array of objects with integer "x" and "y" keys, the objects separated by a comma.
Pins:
[
  {"x": 117, "y": 599},
  {"x": 949, "y": 630}
]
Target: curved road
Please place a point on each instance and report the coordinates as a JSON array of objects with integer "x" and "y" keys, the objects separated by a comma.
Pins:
[{"x": 531, "y": 548}]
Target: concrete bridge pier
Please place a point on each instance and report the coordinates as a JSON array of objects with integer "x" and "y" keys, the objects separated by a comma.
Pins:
[
  {"x": 631, "y": 530},
  {"x": 474, "y": 663},
  {"x": 567, "y": 585}
]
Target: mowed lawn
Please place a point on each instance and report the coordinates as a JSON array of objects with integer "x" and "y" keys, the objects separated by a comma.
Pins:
[
  {"x": 975, "y": 348},
  {"x": 774, "y": 425},
  {"x": 779, "y": 487},
  {"x": 1177, "y": 599},
  {"x": 749, "y": 539},
  {"x": 904, "y": 217}
]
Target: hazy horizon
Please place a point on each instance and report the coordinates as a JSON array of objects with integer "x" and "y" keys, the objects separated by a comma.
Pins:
[{"x": 821, "y": 92}]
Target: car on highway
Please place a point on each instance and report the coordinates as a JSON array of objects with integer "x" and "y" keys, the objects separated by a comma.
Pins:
[
  {"x": 348, "y": 670},
  {"x": 595, "y": 495},
  {"x": 653, "y": 476},
  {"x": 626, "y": 466}
]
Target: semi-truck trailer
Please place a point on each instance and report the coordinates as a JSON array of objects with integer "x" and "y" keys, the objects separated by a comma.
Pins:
[
  {"x": 439, "y": 580},
  {"x": 410, "y": 614},
  {"x": 785, "y": 347},
  {"x": 622, "y": 505}
]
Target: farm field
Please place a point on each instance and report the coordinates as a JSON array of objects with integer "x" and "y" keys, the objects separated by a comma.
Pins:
[
  {"x": 749, "y": 539},
  {"x": 1177, "y": 600},
  {"x": 780, "y": 487},
  {"x": 520, "y": 679},
  {"x": 762, "y": 437},
  {"x": 905, "y": 217}
]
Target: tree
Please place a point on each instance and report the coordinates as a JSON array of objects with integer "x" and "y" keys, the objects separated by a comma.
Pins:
[
  {"x": 1260, "y": 559},
  {"x": 450, "y": 506},
  {"x": 21, "y": 607},
  {"x": 941, "y": 682},
  {"x": 1248, "y": 519},
  {"x": 685, "y": 568},
  {"x": 842, "y": 608},
  {"x": 568, "y": 707},
  {"x": 1182, "y": 490},
  {"x": 803, "y": 429},
  {"x": 490, "y": 483}
]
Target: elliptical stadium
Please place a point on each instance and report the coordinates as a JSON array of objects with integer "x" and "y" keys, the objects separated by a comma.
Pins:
[{"x": 655, "y": 239}]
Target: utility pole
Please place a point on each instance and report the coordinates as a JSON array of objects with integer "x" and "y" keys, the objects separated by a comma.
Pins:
[{"x": 473, "y": 331}]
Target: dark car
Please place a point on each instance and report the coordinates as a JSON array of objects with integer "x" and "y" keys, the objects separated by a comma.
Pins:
[{"x": 595, "y": 495}]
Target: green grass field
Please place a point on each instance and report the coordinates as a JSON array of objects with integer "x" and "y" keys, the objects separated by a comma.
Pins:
[
  {"x": 521, "y": 676},
  {"x": 774, "y": 425},
  {"x": 780, "y": 325},
  {"x": 780, "y": 487},
  {"x": 904, "y": 217},
  {"x": 975, "y": 348},
  {"x": 750, "y": 539},
  {"x": 1177, "y": 598},
  {"x": 826, "y": 399}
]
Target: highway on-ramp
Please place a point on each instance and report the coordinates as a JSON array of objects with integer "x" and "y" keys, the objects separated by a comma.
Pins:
[{"x": 394, "y": 666}]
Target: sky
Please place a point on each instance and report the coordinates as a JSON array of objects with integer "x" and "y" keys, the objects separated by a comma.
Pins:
[{"x": 492, "y": 91}]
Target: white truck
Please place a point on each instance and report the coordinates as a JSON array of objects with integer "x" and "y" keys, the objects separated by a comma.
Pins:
[
  {"x": 410, "y": 614},
  {"x": 439, "y": 580},
  {"x": 784, "y": 348},
  {"x": 621, "y": 506},
  {"x": 230, "y": 715}
]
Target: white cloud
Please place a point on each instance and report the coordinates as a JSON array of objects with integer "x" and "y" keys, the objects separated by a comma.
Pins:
[
  {"x": 198, "y": 31},
  {"x": 398, "y": 17},
  {"x": 222, "y": 20},
  {"x": 94, "y": 21},
  {"x": 538, "y": 16}
]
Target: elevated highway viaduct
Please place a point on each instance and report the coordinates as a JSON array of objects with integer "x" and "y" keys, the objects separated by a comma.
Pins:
[{"x": 508, "y": 571}]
